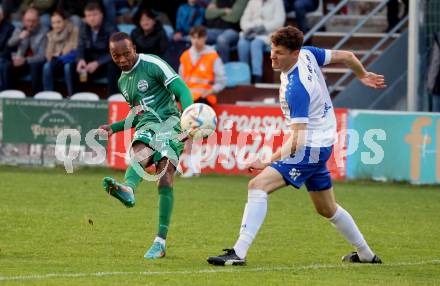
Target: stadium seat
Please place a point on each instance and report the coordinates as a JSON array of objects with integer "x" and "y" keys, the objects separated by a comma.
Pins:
[
  {"x": 116, "y": 97},
  {"x": 88, "y": 96},
  {"x": 51, "y": 95},
  {"x": 237, "y": 73},
  {"x": 12, "y": 93},
  {"x": 126, "y": 28},
  {"x": 169, "y": 30}
]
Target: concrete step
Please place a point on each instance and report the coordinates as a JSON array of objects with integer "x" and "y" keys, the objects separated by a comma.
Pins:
[{"x": 359, "y": 41}]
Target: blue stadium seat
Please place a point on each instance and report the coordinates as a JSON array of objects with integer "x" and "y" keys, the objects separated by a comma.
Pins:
[
  {"x": 169, "y": 30},
  {"x": 267, "y": 48},
  {"x": 126, "y": 28},
  {"x": 237, "y": 73}
]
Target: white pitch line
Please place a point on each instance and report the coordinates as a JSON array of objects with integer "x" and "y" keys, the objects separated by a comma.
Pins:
[{"x": 214, "y": 270}]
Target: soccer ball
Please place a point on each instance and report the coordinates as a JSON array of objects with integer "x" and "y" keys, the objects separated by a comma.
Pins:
[{"x": 199, "y": 120}]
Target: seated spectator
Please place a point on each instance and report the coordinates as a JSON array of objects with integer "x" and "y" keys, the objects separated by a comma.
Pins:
[
  {"x": 149, "y": 36},
  {"x": 111, "y": 8},
  {"x": 188, "y": 15},
  {"x": 93, "y": 58},
  {"x": 44, "y": 7},
  {"x": 6, "y": 30},
  {"x": 28, "y": 46},
  {"x": 73, "y": 10},
  {"x": 10, "y": 7},
  {"x": 222, "y": 21},
  {"x": 202, "y": 69},
  {"x": 257, "y": 23},
  {"x": 301, "y": 8},
  {"x": 167, "y": 10},
  {"x": 61, "y": 49}
]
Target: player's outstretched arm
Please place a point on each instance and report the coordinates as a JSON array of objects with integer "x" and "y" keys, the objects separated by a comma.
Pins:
[
  {"x": 105, "y": 130},
  {"x": 118, "y": 126},
  {"x": 347, "y": 58},
  {"x": 181, "y": 90}
]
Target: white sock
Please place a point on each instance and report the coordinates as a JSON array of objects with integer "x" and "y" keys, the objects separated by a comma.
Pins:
[
  {"x": 195, "y": 156},
  {"x": 160, "y": 240},
  {"x": 253, "y": 217},
  {"x": 345, "y": 224}
]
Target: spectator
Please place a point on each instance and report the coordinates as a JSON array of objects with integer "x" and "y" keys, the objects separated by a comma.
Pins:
[
  {"x": 61, "y": 49},
  {"x": 188, "y": 15},
  {"x": 119, "y": 8},
  {"x": 28, "y": 44},
  {"x": 222, "y": 21},
  {"x": 301, "y": 8},
  {"x": 393, "y": 13},
  {"x": 10, "y": 7},
  {"x": 44, "y": 7},
  {"x": 202, "y": 70},
  {"x": 6, "y": 30},
  {"x": 73, "y": 10},
  {"x": 257, "y": 23},
  {"x": 93, "y": 57},
  {"x": 149, "y": 36},
  {"x": 167, "y": 9}
]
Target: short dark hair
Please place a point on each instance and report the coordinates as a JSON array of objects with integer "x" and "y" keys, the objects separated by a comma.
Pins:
[
  {"x": 198, "y": 31},
  {"x": 93, "y": 5},
  {"x": 147, "y": 12},
  {"x": 289, "y": 37},
  {"x": 120, "y": 36},
  {"x": 59, "y": 13}
]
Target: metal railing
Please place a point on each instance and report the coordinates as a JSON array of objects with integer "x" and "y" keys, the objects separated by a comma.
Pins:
[
  {"x": 324, "y": 20},
  {"x": 350, "y": 34},
  {"x": 375, "y": 48}
]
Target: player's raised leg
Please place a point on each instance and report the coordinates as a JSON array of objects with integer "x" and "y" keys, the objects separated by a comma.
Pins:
[
  {"x": 124, "y": 192},
  {"x": 325, "y": 204},
  {"x": 268, "y": 181},
  {"x": 166, "y": 202}
]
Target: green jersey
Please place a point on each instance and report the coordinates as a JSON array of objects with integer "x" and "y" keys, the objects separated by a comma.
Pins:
[{"x": 145, "y": 87}]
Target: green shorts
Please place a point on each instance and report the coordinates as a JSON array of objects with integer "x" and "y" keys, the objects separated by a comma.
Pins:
[{"x": 163, "y": 144}]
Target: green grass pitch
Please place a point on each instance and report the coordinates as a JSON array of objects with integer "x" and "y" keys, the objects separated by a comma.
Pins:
[{"x": 62, "y": 229}]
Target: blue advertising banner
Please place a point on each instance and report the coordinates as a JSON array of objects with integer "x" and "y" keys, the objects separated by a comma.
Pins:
[{"x": 400, "y": 146}]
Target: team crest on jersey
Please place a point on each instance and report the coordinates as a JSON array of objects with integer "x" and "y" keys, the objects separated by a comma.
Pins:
[
  {"x": 142, "y": 85},
  {"x": 294, "y": 174}
]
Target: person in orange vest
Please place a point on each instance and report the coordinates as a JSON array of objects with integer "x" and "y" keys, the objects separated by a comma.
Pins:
[
  {"x": 202, "y": 69},
  {"x": 203, "y": 72}
]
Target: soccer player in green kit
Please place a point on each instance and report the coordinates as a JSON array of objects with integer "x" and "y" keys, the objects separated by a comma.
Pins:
[{"x": 149, "y": 86}]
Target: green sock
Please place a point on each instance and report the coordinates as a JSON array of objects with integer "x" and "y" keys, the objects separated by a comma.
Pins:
[
  {"x": 132, "y": 179},
  {"x": 166, "y": 199}
]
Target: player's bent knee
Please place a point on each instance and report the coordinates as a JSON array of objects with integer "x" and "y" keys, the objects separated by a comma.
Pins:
[
  {"x": 258, "y": 184},
  {"x": 325, "y": 212}
]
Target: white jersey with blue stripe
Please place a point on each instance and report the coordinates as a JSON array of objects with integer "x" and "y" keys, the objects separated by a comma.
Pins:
[{"x": 304, "y": 97}]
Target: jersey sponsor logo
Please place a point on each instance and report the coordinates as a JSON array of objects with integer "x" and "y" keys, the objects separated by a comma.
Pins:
[{"x": 142, "y": 85}]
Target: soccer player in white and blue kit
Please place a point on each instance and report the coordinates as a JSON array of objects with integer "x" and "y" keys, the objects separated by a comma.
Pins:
[{"x": 302, "y": 159}]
